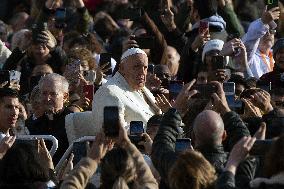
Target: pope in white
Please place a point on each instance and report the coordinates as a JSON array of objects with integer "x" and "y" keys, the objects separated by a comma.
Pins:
[{"x": 126, "y": 89}]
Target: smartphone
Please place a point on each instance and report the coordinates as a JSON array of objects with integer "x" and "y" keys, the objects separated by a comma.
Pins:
[
  {"x": 264, "y": 85},
  {"x": 73, "y": 66},
  {"x": 105, "y": 58},
  {"x": 229, "y": 88},
  {"x": 34, "y": 142},
  {"x": 15, "y": 76},
  {"x": 60, "y": 16},
  {"x": 271, "y": 4},
  {"x": 218, "y": 62},
  {"x": 165, "y": 83},
  {"x": 151, "y": 68},
  {"x": 182, "y": 144},
  {"x": 205, "y": 91},
  {"x": 111, "y": 121},
  {"x": 261, "y": 147},
  {"x": 89, "y": 91},
  {"x": 34, "y": 81},
  {"x": 132, "y": 13},
  {"x": 235, "y": 105},
  {"x": 203, "y": 26},
  {"x": 79, "y": 151},
  {"x": 175, "y": 86},
  {"x": 5, "y": 77},
  {"x": 145, "y": 42},
  {"x": 89, "y": 75},
  {"x": 136, "y": 128}
]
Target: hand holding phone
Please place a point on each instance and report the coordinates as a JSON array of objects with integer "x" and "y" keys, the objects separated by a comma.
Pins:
[{"x": 271, "y": 4}]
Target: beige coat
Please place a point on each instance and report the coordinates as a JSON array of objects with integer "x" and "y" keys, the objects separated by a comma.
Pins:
[{"x": 82, "y": 172}]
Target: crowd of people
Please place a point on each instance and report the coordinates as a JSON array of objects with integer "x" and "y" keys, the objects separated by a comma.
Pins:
[{"x": 177, "y": 94}]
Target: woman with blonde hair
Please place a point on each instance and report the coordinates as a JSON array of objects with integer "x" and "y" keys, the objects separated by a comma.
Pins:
[{"x": 192, "y": 171}]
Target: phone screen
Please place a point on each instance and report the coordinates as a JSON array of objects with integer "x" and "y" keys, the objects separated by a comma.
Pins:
[
  {"x": 131, "y": 13},
  {"x": 34, "y": 81},
  {"x": 105, "y": 58},
  {"x": 235, "y": 105},
  {"x": 218, "y": 62},
  {"x": 60, "y": 14},
  {"x": 111, "y": 121},
  {"x": 151, "y": 68},
  {"x": 205, "y": 91},
  {"x": 203, "y": 26},
  {"x": 229, "y": 88},
  {"x": 264, "y": 85},
  {"x": 88, "y": 91},
  {"x": 136, "y": 128},
  {"x": 174, "y": 88},
  {"x": 15, "y": 76},
  {"x": 145, "y": 42},
  {"x": 182, "y": 144},
  {"x": 79, "y": 151}
]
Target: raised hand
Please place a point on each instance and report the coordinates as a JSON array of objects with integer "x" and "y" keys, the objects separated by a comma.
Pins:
[{"x": 270, "y": 15}]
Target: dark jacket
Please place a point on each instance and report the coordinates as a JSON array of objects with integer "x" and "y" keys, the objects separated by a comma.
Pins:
[
  {"x": 56, "y": 128},
  {"x": 276, "y": 77},
  {"x": 163, "y": 150},
  {"x": 227, "y": 181}
]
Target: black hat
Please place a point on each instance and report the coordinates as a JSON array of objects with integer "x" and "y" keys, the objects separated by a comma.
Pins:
[{"x": 277, "y": 46}]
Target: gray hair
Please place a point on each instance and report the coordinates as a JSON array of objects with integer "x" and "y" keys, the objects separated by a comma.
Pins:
[{"x": 58, "y": 79}]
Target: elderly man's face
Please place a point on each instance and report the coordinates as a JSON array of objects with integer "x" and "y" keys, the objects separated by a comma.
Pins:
[
  {"x": 134, "y": 70},
  {"x": 52, "y": 96}
]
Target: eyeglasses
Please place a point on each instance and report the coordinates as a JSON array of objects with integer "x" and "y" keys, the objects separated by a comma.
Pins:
[{"x": 47, "y": 93}]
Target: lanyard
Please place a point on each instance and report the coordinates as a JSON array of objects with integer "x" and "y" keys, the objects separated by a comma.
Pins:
[{"x": 270, "y": 63}]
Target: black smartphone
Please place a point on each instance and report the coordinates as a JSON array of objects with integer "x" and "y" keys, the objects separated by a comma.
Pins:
[
  {"x": 79, "y": 151},
  {"x": 111, "y": 121},
  {"x": 229, "y": 88},
  {"x": 105, "y": 58},
  {"x": 5, "y": 77},
  {"x": 175, "y": 86},
  {"x": 34, "y": 81},
  {"x": 205, "y": 91},
  {"x": 261, "y": 147},
  {"x": 151, "y": 68},
  {"x": 264, "y": 85},
  {"x": 271, "y": 4},
  {"x": 145, "y": 42},
  {"x": 60, "y": 16},
  {"x": 182, "y": 144},
  {"x": 132, "y": 13},
  {"x": 15, "y": 76},
  {"x": 235, "y": 105},
  {"x": 136, "y": 128},
  {"x": 218, "y": 62}
]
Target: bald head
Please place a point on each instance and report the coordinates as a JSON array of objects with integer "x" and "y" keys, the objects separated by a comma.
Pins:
[{"x": 208, "y": 128}]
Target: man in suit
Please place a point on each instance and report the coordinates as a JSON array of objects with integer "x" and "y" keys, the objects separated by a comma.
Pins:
[{"x": 126, "y": 89}]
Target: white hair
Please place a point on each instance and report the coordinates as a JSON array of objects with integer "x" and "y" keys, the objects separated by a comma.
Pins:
[
  {"x": 19, "y": 38},
  {"x": 58, "y": 79}
]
